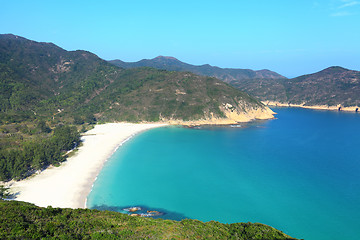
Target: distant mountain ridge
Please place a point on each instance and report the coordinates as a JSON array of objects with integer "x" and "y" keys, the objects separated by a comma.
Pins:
[
  {"x": 334, "y": 86},
  {"x": 226, "y": 74}
]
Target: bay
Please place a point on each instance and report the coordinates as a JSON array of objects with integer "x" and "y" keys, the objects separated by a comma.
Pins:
[{"x": 298, "y": 173}]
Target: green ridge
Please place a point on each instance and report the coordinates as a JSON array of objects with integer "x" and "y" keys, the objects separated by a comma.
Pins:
[
  {"x": 43, "y": 80},
  {"x": 331, "y": 86},
  {"x": 21, "y": 220}
]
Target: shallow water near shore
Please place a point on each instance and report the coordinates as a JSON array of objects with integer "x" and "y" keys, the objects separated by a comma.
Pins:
[{"x": 299, "y": 173}]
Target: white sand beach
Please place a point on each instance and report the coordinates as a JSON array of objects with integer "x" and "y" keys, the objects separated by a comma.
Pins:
[
  {"x": 67, "y": 186},
  {"x": 353, "y": 109}
]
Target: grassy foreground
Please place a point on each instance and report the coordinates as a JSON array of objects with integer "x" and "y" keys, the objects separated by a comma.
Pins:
[{"x": 20, "y": 220}]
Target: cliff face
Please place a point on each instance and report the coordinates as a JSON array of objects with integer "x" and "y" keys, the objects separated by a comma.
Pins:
[{"x": 231, "y": 116}]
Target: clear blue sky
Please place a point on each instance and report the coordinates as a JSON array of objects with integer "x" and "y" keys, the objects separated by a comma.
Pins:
[{"x": 288, "y": 36}]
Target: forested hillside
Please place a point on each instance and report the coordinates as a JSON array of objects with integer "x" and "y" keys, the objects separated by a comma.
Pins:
[
  {"x": 41, "y": 79},
  {"x": 21, "y": 160},
  {"x": 25, "y": 221},
  {"x": 332, "y": 86},
  {"x": 43, "y": 87}
]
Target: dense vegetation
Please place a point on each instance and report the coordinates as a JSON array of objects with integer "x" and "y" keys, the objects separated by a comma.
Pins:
[
  {"x": 29, "y": 156},
  {"x": 159, "y": 95},
  {"x": 4, "y": 192},
  {"x": 25, "y": 221},
  {"x": 41, "y": 79},
  {"x": 43, "y": 86},
  {"x": 331, "y": 86},
  {"x": 225, "y": 74}
]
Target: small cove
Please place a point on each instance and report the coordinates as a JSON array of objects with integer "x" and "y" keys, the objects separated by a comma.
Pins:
[{"x": 298, "y": 173}]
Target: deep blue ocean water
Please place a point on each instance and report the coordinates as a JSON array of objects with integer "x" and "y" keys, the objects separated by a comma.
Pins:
[{"x": 299, "y": 173}]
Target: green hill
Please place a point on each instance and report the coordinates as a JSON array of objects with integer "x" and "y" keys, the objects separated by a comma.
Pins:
[
  {"x": 41, "y": 79},
  {"x": 332, "y": 86},
  {"x": 21, "y": 220}
]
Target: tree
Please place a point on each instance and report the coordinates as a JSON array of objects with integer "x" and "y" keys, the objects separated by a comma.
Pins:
[
  {"x": 65, "y": 137},
  {"x": 4, "y": 192},
  {"x": 43, "y": 127},
  {"x": 78, "y": 120},
  {"x": 90, "y": 118}
]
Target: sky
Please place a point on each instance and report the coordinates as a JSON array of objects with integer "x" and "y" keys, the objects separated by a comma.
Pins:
[{"x": 290, "y": 37}]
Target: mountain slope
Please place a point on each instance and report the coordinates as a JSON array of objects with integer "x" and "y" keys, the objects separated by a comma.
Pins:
[
  {"x": 41, "y": 79},
  {"x": 37, "y": 79},
  {"x": 225, "y": 74},
  {"x": 163, "y": 95},
  {"x": 330, "y": 87},
  {"x": 21, "y": 220}
]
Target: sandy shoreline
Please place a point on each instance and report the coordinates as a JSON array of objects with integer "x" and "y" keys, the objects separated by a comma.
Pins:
[
  {"x": 315, "y": 107},
  {"x": 68, "y": 186}
]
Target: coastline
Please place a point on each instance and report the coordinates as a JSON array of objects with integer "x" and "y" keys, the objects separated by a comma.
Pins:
[
  {"x": 68, "y": 185},
  {"x": 315, "y": 107}
]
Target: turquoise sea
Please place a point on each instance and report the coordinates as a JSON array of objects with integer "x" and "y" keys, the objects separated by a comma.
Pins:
[{"x": 299, "y": 173}]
